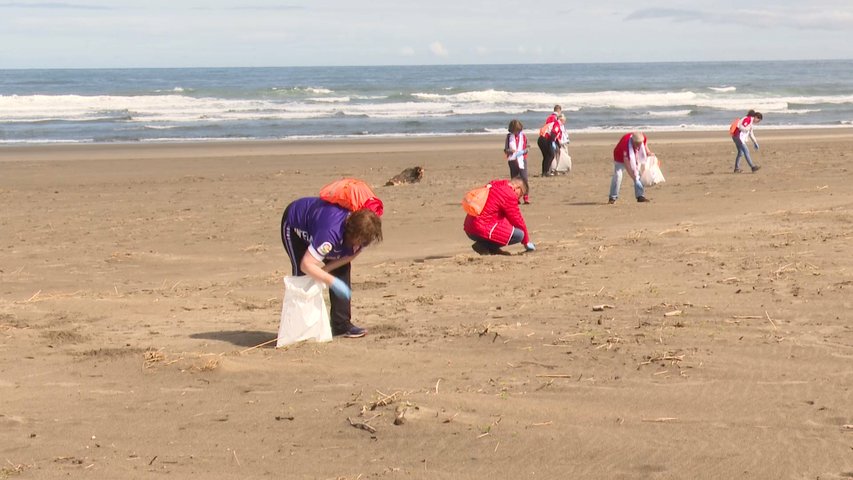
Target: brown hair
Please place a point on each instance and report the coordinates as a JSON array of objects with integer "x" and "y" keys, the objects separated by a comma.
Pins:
[
  {"x": 362, "y": 228},
  {"x": 515, "y": 126}
]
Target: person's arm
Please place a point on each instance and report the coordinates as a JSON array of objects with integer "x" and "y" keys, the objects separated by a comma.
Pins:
[
  {"x": 752, "y": 137},
  {"x": 631, "y": 164},
  {"x": 315, "y": 269},
  {"x": 513, "y": 215},
  {"x": 336, "y": 264}
]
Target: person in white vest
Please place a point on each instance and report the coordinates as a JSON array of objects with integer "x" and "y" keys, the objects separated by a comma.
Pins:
[{"x": 515, "y": 148}]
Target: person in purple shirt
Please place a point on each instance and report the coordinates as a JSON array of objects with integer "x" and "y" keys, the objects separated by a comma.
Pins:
[{"x": 322, "y": 239}]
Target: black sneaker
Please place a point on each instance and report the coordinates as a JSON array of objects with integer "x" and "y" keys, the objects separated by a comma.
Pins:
[
  {"x": 481, "y": 248},
  {"x": 755, "y": 168},
  {"x": 643, "y": 199},
  {"x": 355, "y": 332},
  {"x": 611, "y": 201}
]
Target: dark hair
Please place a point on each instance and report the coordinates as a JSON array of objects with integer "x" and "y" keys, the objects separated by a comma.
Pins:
[
  {"x": 759, "y": 116},
  {"x": 515, "y": 125},
  {"x": 362, "y": 228},
  {"x": 750, "y": 113},
  {"x": 558, "y": 108}
]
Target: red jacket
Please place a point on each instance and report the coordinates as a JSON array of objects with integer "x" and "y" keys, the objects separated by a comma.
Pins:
[
  {"x": 500, "y": 214},
  {"x": 620, "y": 153},
  {"x": 554, "y": 127}
]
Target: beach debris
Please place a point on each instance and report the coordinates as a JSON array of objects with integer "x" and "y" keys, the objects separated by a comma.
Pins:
[
  {"x": 384, "y": 400},
  {"x": 600, "y": 308},
  {"x": 362, "y": 426},
  {"x": 770, "y": 319},
  {"x": 400, "y": 415},
  {"x": 409, "y": 175},
  {"x": 673, "y": 313}
]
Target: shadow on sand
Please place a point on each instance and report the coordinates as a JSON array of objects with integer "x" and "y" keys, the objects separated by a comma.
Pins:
[{"x": 241, "y": 338}]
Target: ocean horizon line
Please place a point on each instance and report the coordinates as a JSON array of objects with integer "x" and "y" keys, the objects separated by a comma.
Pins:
[{"x": 424, "y": 65}]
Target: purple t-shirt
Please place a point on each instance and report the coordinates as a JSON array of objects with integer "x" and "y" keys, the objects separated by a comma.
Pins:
[{"x": 321, "y": 225}]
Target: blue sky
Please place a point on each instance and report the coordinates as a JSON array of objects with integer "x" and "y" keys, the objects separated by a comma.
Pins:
[{"x": 180, "y": 33}]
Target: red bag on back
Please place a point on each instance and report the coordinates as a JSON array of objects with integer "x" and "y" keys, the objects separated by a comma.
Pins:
[{"x": 352, "y": 194}]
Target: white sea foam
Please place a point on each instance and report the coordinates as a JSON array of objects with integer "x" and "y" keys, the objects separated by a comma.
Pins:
[
  {"x": 723, "y": 89},
  {"x": 173, "y": 108},
  {"x": 669, "y": 113}
]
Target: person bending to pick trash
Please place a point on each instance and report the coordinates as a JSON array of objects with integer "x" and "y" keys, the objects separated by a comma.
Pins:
[
  {"x": 322, "y": 239},
  {"x": 627, "y": 156},
  {"x": 742, "y": 133},
  {"x": 500, "y": 223}
]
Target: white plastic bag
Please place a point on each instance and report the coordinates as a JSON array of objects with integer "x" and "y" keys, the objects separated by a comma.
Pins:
[
  {"x": 564, "y": 160},
  {"x": 650, "y": 173},
  {"x": 303, "y": 313}
]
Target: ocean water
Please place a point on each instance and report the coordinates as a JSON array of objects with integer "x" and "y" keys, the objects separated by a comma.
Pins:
[{"x": 161, "y": 105}]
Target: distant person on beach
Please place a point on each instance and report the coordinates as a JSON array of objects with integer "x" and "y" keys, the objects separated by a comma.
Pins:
[
  {"x": 742, "y": 132},
  {"x": 630, "y": 152},
  {"x": 550, "y": 138},
  {"x": 322, "y": 239},
  {"x": 562, "y": 163},
  {"x": 500, "y": 223},
  {"x": 515, "y": 148}
]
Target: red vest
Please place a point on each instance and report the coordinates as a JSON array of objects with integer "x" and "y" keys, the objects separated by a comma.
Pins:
[{"x": 620, "y": 153}]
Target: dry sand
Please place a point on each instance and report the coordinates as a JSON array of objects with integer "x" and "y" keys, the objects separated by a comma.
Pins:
[{"x": 134, "y": 281}]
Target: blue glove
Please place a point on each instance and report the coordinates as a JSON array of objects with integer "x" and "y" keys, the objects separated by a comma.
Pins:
[
  {"x": 340, "y": 288},
  {"x": 529, "y": 246},
  {"x": 755, "y": 145}
]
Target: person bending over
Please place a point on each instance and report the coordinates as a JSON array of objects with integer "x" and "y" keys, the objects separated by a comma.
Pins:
[
  {"x": 500, "y": 223},
  {"x": 322, "y": 239},
  {"x": 629, "y": 153}
]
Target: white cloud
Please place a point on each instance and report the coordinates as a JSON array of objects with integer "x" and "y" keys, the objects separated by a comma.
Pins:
[
  {"x": 438, "y": 49},
  {"x": 788, "y": 18}
]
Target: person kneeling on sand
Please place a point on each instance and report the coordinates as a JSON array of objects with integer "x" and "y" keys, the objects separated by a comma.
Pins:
[
  {"x": 629, "y": 153},
  {"x": 322, "y": 239},
  {"x": 500, "y": 223}
]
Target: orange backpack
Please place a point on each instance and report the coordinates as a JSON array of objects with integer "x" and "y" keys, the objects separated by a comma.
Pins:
[
  {"x": 733, "y": 127},
  {"x": 349, "y": 193},
  {"x": 474, "y": 201}
]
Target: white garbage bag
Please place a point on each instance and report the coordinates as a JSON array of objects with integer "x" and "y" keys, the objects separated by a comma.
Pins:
[
  {"x": 564, "y": 160},
  {"x": 650, "y": 173},
  {"x": 303, "y": 314}
]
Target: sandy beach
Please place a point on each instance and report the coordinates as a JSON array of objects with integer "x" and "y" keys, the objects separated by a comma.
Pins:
[{"x": 705, "y": 335}]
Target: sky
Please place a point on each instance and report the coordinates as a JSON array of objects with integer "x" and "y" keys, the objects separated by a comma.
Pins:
[{"x": 257, "y": 33}]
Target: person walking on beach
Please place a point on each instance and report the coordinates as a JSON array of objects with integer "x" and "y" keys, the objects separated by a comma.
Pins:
[
  {"x": 742, "y": 132},
  {"x": 550, "y": 136},
  {"x": 515, "y": 148},
  {"x": 322, "y": 239},
  {"x": 500, "y": 223},
  {"x": 630, "y": 152}
]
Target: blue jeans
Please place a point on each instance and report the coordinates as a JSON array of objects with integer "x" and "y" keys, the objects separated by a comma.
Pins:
[
  {"x": 742, "y": 149},
  {"x": 616, "y": 182},
  {"x": 517, "y": 236}
]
